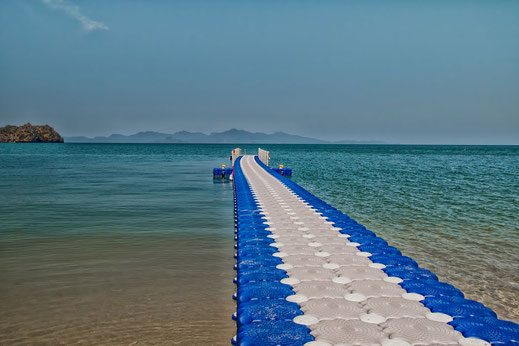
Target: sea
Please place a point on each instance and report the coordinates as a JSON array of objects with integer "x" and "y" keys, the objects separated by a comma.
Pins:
[{"x": 130, "y": 244}]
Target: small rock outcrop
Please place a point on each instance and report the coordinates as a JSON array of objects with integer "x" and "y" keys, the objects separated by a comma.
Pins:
[{"x": 29, "y": 134}]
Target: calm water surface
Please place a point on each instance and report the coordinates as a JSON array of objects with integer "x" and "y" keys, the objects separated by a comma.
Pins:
[{"x": 122, "y": 244}]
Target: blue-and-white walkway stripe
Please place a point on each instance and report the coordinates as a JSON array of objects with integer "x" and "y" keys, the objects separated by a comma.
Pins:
[{"x": 307, "y": 274}]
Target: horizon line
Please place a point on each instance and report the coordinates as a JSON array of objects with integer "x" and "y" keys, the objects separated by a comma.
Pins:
[{"x": 331, "y": 143}]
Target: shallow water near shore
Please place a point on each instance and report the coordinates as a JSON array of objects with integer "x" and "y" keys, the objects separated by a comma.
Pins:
[{"x": 133, "y": 243}]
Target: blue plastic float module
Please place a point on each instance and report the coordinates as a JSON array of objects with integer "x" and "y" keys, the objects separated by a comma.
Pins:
[
  {"x": 471, "y": 318},
  {"x": 263, "y": 315},
  {"x": 220, "y": 172},
  {"x": 287, "y": 172}
]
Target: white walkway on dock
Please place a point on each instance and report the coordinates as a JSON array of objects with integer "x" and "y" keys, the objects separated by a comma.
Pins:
[{"x": 345, "y": 297}]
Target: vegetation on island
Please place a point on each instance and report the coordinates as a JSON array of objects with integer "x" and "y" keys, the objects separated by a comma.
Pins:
[{"x": 29, "y": 134}]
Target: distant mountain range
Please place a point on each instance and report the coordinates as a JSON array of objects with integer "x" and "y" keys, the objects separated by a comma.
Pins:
[{"x": 229, "y": 136}]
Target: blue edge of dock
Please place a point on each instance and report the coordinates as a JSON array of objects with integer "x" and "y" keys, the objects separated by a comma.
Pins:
[{"x": 264, "y": 317}]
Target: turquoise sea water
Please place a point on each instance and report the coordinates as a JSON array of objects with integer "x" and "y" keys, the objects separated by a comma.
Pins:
[{"x": 133, "y": 243}]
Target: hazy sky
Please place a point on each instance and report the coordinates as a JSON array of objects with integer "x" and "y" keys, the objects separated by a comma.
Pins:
[{"x": 398, "y": 71}]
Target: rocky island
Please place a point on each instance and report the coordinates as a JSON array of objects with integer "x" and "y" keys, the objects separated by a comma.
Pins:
[{"x": 29, "y": 134}]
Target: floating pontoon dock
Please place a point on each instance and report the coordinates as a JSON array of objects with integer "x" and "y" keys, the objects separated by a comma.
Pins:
[{"x": 307, "y": 274}]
